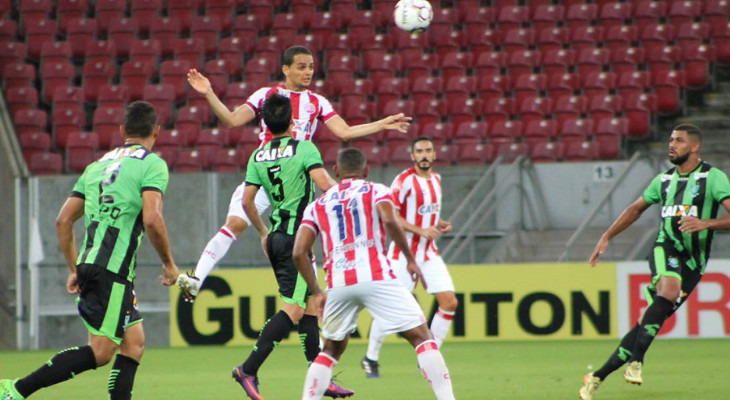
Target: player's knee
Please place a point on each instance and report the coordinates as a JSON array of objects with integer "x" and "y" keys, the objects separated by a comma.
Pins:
[
  {"x": 449, "y": 303},
  {"x": 669, "y": 288},
  {"x": 236, "y": 225},
  {"x": 134, "y": 351},
  {"x": 103, "y": 354}
]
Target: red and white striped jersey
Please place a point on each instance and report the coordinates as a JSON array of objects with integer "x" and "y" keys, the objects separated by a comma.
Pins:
[
  {"x": 353, "y": 235},
  {"x": 419, "y": 203},
  {"x": 307, "y": 108}
]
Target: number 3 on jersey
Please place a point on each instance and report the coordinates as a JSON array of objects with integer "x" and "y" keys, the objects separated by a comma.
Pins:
[
  {"x": 344, "y": 220},
  {"x": 277, "y": 190}
]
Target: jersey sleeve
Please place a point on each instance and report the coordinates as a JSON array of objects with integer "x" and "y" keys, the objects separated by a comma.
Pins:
[
  {"x": 311, "y": 157},
  {"x": 382, "y": 193},
  {"x": 252, "y": 175},
  {"x": 156, "y": 176},
  {"x": 720, "y": 186},
  {"x": 398, "y": 192},
  {"x": 79, "y": 189},
  {"x": 326, "y": 111},
  {"x": 653, "y": 193},
  {"x": 309, "y": 219},
  {"x": 255, "y": 101}
]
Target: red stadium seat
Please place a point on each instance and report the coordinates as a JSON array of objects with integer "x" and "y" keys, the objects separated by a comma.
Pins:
[
  {"x": 580, "y": 151},
  {"x": 146, "y": 51},
  {"x": 569, "y": 108},
  {"x": 649, "y": 12},
  {"x": 692, "y": 34},
  {"x": 68, "y": 97},
  {"x": 656, "y": 35},
  {"x": 547, "y": 16},
  {"x": 391, "y": 89},
  {"x": 11, "y": 53},
  {"x": 191, "y": 161},
  {"x": 56, "y": 75},
  {"x": 80, "y": 33},
  {"x": 490, "y": 63},
  {"x": 189, "y": 122},
  {"x": 598, "y": 83},
  {"x": 184, "y": 11},
  {"x": 621, "y": 36},
  {"x": 716, "y": 12},
  {"x": 492, "y": 86},
  {"x": 464, "y": 110},
  {"x": 518, "y": 40},
  {"x": 68, "y": 10},
  {"x": 217, "y": 73},
  {"x": 166, "y": 31},
  {"x": 37, "y": 33},
  {"x": 170, "y": 141},
  {"x": 108, "y": 12},
  {"x": 681, "y": 12},
  {"x": 614, "y": 14},
  {"x": 55, "y": 52},
  {"x": 230, "y": 160},
  {"x": 497, "y": 110},
  {"x": 356, "y": 113},
  {"x": 627, "y": 59},
  {"x": 562, "y": 85},
  {"x": 540, "y": 130},
  {"x": 582, "y": 37},
  {"x": 106, "y": 125},
  {"x": 8, "y": 30},
  {"x": 136, "y": 75},
  {"x": 64, "y": 122},
  {"x": 557, "y": 61},
  {"x": 448, "y": 41},
  {"x": 207, "y": 29},
  {"x": 438, "y": 131},
  {"x": 458, "y": 89},
  {"x": 325, "y": 24},
  {"x": 34, "y": 142},
  {"x": 45, "y": 163},
  {"x": 523, "y": 62},
  {"x": 34, "y": 11},
  {"x": 101, "y": 51},
  {"x": 551, "y": 39},
  {"x": 511, "y": 17},
  {"x": 721, "y": 40},
  {"x": 573, "y": 130},
  {"x": 30, "y": 120},
  {"x": 533, "y": 108},
  {"x": 147, "y": 12},
  {"x": 667, "y": 86},
  {"x": 190, "y": 50},
  {"x": 528, "y": 85},
  {"x": 476, "y": 154},
  {"x": 662, "y": 58},
  {"x": 19, "y": 98},
  {"x": 287, "y": 25},
  {"x": 505, "y": 131},
  {"x": 162, "y": 97},
  {"x": 638, "y": 112},
  {"x": 112, "y": 96},
  {"x": 210, "y": 140},
  {"x": 386, "y": 68},
  {"x": 473, "y": 130},
  {"x": 545, "y": 151},
  {"x": 80, "y": 149},
  {"x": 608, "y": 147},
  {"x": 175, "y": 73},
  {"x": 591, "y": 60},
  {"x": 223, "y": 9},
  {"x": 482, "y": 39},
  {"x": 696, "y": 62},
  {"x": 617, "y": 127},
  {"x": 581, "y": 15},
  {"x": 511, "y": 151},
  {"x": 425, "y": 87},
  {"x": 394, "y": 107},
  {"x": 429, "y": 111},
  {"x": 633, "y": 83},
  {"x": 123, "y": 31},
  {"x": 601, "y": 106}
]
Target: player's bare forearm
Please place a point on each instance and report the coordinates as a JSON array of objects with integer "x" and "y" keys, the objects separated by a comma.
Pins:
[
  {"x": 300, "y": 254},
  {"x": 342, "y": 130},
  {"x": 249, "y": 207},
  {"x": 230, "y": 119},
  {"x": 155, "y": 226},
  {"x": 407, "y": 226},
  {"x": 72, "y": 210},
  {"x": 322, "y": 179},
  {"x": 627, "y": 218},
  {"x": 693, "y": 224}
]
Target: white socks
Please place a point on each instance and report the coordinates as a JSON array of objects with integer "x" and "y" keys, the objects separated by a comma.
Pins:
[
  {"x": 216, "y": 248},
  {"x": 375, "y": 341},
  {"x": 433, "y": 367},
  {"x": 441, "y": 324},
  {"x": 318, "y": 377}
]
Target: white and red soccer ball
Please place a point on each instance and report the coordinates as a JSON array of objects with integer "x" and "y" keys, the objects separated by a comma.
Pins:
[{"x": 413, "y": 15}]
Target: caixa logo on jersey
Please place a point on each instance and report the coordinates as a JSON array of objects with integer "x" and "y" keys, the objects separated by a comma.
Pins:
[
  {"x": 428, "y": 209},
  {"x": 682, "y": 210}
]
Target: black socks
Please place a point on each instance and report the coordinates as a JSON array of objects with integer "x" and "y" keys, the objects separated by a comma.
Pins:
[
  {"x": 276, "y": 329},
  {"x": 63, "y": 366}
]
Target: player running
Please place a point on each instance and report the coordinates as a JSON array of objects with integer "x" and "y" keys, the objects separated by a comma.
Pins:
[
  {"x": 417, "y": 196},
  {"x": 690, "y": 195},
  {"x": 352, "y": 218},
  {"x": 120, "y": 197},
  {"x": 308, "y": 108}
]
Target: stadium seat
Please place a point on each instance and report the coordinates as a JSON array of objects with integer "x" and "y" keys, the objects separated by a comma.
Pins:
[
  {"x": 614, "y": 14},
  {"x": 667, "y": 89},
  {"x": 94, "y": 75},
  {"x": 528, "y": 85},
  {"x": 34, "y": 11},
  {"x": 491, "y": 86},
  {"x": 603, "y": 106},
  {"x": 8, "y": 30},
  {"x": 189, "y": 122},
  {"x": 482, "y": 39},
  {"x": 19, "y": 98},
  {"x": 459, "y": 88},
  {"x": 80, "y": 33},
  {"x": 552, "y": 39},
  {"x": 358, "y": 112},
  {"x": 429, "y": 111},
  {"x": 232, "y": 50},
  {"x": 123, "y": 31},
  {"x": 190, "y": 50},
  {"x": 55, "y": 52},
  {"x": 183, "y": 11},
  {"x": 45, "y": 163},
  {"x": 175, "y": 73},
  {"x": 387, "y": 67},
  {"x": 37, "y": 33},
  {"x": 476, "y": 154},
  {"x": 210, "y": 140},
  {"x": 28, "y": 120},
  {"x": 696, "y": 65},
  {"x": 649, "y": 12},
  {"x": 620, "y": 36},
  {"x": 721, "y": 40},
  {"x": 511, "y": 151},
  {"x": 190, "y": 161},
  {"x": 169, "y": 141},
  {"x": 223, "y": 9},
  {"x": 162, "y": 97},
  {"x": 505, "y": 131},
  {"x": 425, "y": 88},
  {"x": 360, "y": 87},
  {"x": 56, "y": 75},
  {"x": 147, "y": 12},
  {"x": 656, "y": 35},
  {"x": 692, "y": 34},
  {"x": 390, "y": 89},
  {"x": 454, "y": 64},
  {"x": 166, "y": 31},
  {"x": 569, "y": 108},
  {"x": 557, "y": 61},
  {"x": 471, "y": 130},
  {"x": 464, "y": 110},
  {"x": 34, "y": 142},
  {"x": 580, "y": 151},
  {"x": 207, "y": 29},
  {"x": 112, "y": 96},
  {"x": 591, "y": 60},
  {"x": 582, "y": 37},
  {"x": 681, "y": 12},
  {"x": 64, "y": 122},
  {"x": 109, "y": 11},
  {"x": 545, "y": 151},
  {"x": 540, "y": 130},
  {"x": 497, "y": 110},
  {"x": 633, "y": 83},
  {"x": 325, "y": 24},
  {"x": 562, "y": 84},
  {"x": 19, "y": 75},
  {"x": 547, "y": 16},
  {"x": 106, "y": 124},
  {"x": 598, "y": 83},
  {"x": 136, "y": 75},
  {"x": 617, "y": 127},
  {"x": 394, "y": 107},
  {"x": 515, "y": 40},
  {"x": 490, "y": 63},
  {"x": 217, "y": 73},
  {"x": 101, "y": 51},
  {"x": 716, "y": 12},
  {"x": 523, "y": 62},
  {"x": 533, "y": 108},
  {"x": 576, "y": 130},
  {"x": 230, "y": 160},
  {"x": 662, "y": 58},
  {"x": 638, "y": 112},
  {"x": 146, "y": 51},
  {"x": 581, "y": 15},
  {"x": 68, "y": 97},
  {"x": 80, "y": 151},
  {"x": 626, "y": 59},
  {"x": 608, "y": 147},
  {"x": 511, "y": 17},
  {"x": 67, "y": 10},
  {"x": 11, "y": 53}
]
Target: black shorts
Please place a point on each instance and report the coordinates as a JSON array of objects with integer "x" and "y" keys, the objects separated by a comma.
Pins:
[
  {"x": 292, "y": 287},
  {"x": 107, "y": 303},
  {"x": 664, "y": 260}
]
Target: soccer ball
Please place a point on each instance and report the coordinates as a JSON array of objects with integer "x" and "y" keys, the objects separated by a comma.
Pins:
[{"x": 413, "y": 15}]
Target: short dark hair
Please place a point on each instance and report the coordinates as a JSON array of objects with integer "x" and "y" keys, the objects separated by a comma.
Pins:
[
  {"x": 351, "y": 160},
  {"x": 692, "y": 130},
  {"x": 288, "y": 57},
  {"x": 276, "y": 113},
  {"x": 420, "y": 139},
  {"x": 140, "y": 119}
]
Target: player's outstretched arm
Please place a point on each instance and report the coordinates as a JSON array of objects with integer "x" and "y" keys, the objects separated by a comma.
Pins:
[
  {"x": 627, "y": 217},
  {"x": 386, "y": 211},
  {"x": 238, "y": 117},
  {"x": 249, "y": 207},
  {"x": 72, "y": 210},
  {"x": 345, "y": 132},
  {"x": 156, "y": 229},
  {"x": 692, "y": 224},
  {"x": 322, "y": 179}
]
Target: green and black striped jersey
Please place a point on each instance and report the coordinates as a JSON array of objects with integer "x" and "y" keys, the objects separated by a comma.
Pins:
[
  {"x": 112, "y": 191},
  {"x": 696, "y": 194},
  {"x": 282, "y": 167}
]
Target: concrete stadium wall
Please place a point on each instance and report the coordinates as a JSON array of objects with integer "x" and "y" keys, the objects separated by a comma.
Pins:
[
  {"x": 196, "y": 205},
  {"x": 8, "y": 241}
]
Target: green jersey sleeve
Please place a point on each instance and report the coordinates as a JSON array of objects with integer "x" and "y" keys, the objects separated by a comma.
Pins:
[
  {"x": 252, "y": 174},
  {"x": 719, "y": 185},
  {"x": 653, "y": 193},
  {"x": 79, "y": 189},
  {"x": 311, "y": 157},
  {"x": 156, "y": 175}
]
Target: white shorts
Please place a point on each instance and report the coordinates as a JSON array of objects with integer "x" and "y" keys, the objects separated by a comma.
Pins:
[
  {"x": 434, "y": 272},
  {"x": 235, "y": 208},
  {"x": 388, "y": 302}
]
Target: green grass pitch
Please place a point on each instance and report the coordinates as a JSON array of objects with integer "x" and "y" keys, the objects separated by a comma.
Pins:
[{"x": 675, "y": 369}]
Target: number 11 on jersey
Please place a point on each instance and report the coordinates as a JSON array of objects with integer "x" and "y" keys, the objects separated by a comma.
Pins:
[{"x": 352, "y": 217}]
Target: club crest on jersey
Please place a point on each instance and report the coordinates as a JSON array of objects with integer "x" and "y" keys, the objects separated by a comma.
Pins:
[
  {"x": 264, "y": 155},
  {"x": 673, "y": 262},
  {"x": 679, "y": 211},
  {"x": 428, "y": 209}
]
